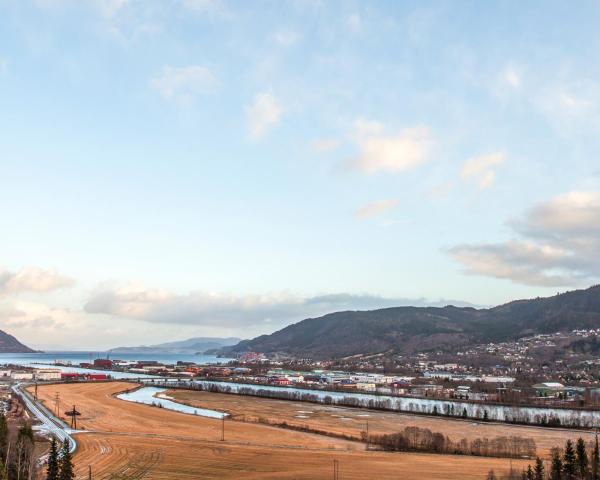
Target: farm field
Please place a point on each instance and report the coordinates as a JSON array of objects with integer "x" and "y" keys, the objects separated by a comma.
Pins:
[
  {"x": 352, "y": 421},
  {"x": 132, "y": 441}
]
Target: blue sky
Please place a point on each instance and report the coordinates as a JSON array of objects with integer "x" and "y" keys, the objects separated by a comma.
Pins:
[{"x": 203, "y": 167}]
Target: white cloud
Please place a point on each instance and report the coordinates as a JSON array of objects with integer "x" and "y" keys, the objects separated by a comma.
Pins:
[
  {"x": 263, "y": 114},
  {"x": 32, "y": 279},
  {"x": 375, "y": 209},
  {"x": 203, "y": 6},
  {"x": 379, "y": 152},
  {"x": 218, "y": 310},
  {"x": 35, "y": 316},
  {"x": 354, "y": 22},
  {"x": 481, "y": 169},
  {"x": 110, "y": 8},
  {"x": 325, "y": 145},
  {"x": 285, "y": 38},
  {"x": 511, "y": 77},
  {"x": 184, "y": 83},
  {"x": 557, "y": 245}
]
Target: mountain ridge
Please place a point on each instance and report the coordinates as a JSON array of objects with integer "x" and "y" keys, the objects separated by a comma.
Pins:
[
  {"x": 188, "y": 346},
  {"x": 9, "y": 344},
  {"x": 407, "y": 330}
]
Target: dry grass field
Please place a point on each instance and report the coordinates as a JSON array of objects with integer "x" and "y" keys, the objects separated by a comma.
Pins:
[
  {"x": 132, "y": 441},
  {"x": 352, "y": 421}
]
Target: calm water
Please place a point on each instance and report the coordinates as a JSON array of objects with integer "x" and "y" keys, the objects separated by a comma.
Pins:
[
  {"x": 79, "y": 357},
  {"x": 152, "y": 396}
]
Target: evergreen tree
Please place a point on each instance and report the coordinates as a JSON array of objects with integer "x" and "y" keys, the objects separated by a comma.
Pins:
[
  {"x": 556, "y": 466},
  {"x": 52, "y": 470},
  {"x": 539, "y": 469},
  {"x": 491, "y": 475},
  {"x": 596, "y": 461},
  {"x": 569, "y": 461},
  {"x": 529, "y": 475},
  {"x": 66, "y": 465},
  {"x": 582, "y": 459}
]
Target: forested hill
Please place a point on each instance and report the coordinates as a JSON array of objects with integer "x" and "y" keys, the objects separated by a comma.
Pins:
[
  {"x": 9, "y": 344},
  {"x": 412, "y": 329}
]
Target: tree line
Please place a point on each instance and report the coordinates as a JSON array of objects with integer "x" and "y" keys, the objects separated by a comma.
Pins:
[
  {"x": 17, "y": 459},
  {"x": 448, "y": 408},
  {"x": 576, "y": 461},
  {"x": 416, "y": 439}
]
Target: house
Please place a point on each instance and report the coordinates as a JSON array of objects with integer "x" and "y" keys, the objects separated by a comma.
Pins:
[
  {"x": 425, "y": 390},
  {"x": 47, "y": 374},
  {"x": 549, "y": 389},
  {"x": 366, "y": 386},
  {"x": 462, "y": 391}
]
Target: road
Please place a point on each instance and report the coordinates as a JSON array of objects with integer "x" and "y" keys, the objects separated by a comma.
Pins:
[{"x": 49, "y": 422}]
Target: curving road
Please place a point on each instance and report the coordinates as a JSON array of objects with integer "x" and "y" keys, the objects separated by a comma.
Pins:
[{"x": 50, "y": 423}]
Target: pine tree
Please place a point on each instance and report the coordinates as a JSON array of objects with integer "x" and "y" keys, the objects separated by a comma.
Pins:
[
  {"x": 529, "y": 475},
  {"x": 582, "y": 459},
  {"x": 52, "y": 470},
  {"x": 539, "y": 469},
  {"x": 556, "y": 466},
  {"x": 66, "y": 465},
  {"x": 491, "y": 475},
  {"x": 569, "y": 461},
  {"x": 596, "y": 461}
]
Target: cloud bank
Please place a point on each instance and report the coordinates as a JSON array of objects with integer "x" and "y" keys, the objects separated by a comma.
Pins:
[
  {"x": 210, "y": 309},
  {"x": 32, "y": 279},
  {"x": 556, "y": 244}
]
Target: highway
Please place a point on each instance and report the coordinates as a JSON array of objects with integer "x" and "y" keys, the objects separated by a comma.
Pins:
[{"x": 49, "y": 422}]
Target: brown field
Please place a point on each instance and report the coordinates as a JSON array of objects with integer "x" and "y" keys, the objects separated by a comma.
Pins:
[
  {"x": 133, "y": 441},
  {"x": 352, "y": 421}
]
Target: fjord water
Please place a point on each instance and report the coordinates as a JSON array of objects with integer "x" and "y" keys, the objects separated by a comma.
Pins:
[{"x": 66, "y": 357}]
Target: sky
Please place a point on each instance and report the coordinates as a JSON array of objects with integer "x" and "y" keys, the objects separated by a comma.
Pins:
[{"x": 181, "y": 168}]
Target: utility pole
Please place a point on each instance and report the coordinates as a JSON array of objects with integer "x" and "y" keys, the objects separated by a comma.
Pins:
[
  {"x": 223, "y": 428},
  {"x": 367, "y": 428},
  {"x": 336, "y": 469},
  {"x": 57, "y": 404},
  {"x": 90, "y": 472},
  {"x": 35, "y": 394}
]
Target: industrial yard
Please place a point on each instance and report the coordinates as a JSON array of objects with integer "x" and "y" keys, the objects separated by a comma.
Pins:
[{"x": 127, "y": 440}]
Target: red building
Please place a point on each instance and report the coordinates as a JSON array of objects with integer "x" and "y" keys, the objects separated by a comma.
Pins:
[{"x": 103, "y": 363}]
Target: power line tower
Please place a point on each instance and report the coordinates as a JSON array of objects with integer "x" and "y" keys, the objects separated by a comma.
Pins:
[{"x": 73, "y": 414}]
